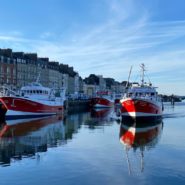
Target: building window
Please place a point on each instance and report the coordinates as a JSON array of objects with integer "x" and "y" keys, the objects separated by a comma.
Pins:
[
  {"x": 14, "y": 71},
  {"x": 8, "y": 70}
]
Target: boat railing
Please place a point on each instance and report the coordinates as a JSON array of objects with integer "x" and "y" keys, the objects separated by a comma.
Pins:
[
  {"x": 6, "y": 91},
  {"x": 147, "y": 97},
  {"x": 59, "y": 94}
]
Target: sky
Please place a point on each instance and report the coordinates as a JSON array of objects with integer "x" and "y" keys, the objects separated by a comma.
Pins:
[{"x": 103, "y": 37}]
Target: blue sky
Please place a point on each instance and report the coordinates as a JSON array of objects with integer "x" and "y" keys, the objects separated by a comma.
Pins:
[{"x": 102, "y": 36}]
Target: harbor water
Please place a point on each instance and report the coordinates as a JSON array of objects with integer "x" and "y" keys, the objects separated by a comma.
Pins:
[{"x": 93, "y": 148}]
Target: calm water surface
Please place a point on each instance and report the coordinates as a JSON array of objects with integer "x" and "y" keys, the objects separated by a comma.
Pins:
[{"x": 93, "y": 148}]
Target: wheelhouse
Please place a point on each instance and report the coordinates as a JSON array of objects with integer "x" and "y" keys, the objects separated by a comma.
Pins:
[
  {"x": 146, "y": 91},
  {"x": 35, "y": 89}
]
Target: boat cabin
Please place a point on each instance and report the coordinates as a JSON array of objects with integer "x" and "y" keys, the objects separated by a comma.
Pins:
[
  {"x": 35, "y": 90},
  {"x": 146, "y": 91}
]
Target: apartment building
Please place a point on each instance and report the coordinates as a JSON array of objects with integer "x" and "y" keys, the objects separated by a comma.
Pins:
[
  {"x": 18, "y": 69},
  {"x": 54, "y": 75},
  {"x": 8, "y": 71},
  {"x": 43, "y": 71}
]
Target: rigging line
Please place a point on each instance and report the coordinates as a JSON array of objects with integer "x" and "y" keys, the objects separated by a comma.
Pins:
[
  {"x": 129, "y": 77},
  {"x": 148, "y": 78}
]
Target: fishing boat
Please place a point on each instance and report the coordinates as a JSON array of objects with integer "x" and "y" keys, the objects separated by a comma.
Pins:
[
  {"x": 103, "y": 99},
  {"x": 34, "y": 100},
  {"x": 141, "y": 100}
]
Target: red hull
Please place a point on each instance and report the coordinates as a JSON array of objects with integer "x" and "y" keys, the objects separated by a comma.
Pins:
[
  {"x": 17, "y": 107},
  {"x": 101, "y": 102},
  {"x": 140, "y": 107}
]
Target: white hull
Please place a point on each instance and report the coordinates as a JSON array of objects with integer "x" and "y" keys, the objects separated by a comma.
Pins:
[{"x": 139, "y": 114}]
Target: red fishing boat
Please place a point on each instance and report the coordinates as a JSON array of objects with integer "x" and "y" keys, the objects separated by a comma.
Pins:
[
  {"x": 34, "y": 100},
  {"x": 103, "y": 99},
  {"x": 141, "y": 100}
]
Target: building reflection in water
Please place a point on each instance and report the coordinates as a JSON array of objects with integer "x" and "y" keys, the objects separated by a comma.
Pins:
[
  {"x": 100, "y": 113},
  {"x": 138, "y": 138}
]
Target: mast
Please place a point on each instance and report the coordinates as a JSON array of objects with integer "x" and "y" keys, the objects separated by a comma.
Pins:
[
  {"x": 142, "y": 74},
  {"x": 129, "y": 77}
]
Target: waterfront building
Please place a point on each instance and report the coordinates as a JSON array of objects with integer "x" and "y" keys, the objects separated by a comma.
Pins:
[
  {"x": 26, "y": 68},
  {"x": 31, "y": 72},
  {"x": 118, "y": 88},
  {"x": 90, "y": 89},
  {"x": 71, "y": 85},
  {"x": 102, "y": 83},
  {"x": 19, "y": 69},
  {"x": 8, "y": 72},
  {"x": 43, "y": 71},
  {"x": 81, "y": 83},
  {"x": 54, "y": 75},
  {"x": 76, "y": 84},
  {"x": 65, "y": 78}
]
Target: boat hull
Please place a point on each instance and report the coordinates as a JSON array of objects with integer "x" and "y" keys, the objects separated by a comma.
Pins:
[
  {"x": 21, "y": 108},
  {"x": 101, "y": 103},
  {"x": 140, "y": 108}
]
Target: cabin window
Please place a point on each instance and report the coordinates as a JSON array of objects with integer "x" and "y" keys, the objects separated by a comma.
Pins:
[
  {"x": 27, "y": 92},
  {"x": 40, "y": 92},
  {"x": 33, "y": 91},
  {"x": 152, "y": 94},
  {"x": 37, "y": 91}
]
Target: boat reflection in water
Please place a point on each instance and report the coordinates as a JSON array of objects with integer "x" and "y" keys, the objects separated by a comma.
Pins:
[
  {"x": 137, "y": 138},
  {"x": 25, "y": 139},
  {"x": 100, "y": 113}
]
